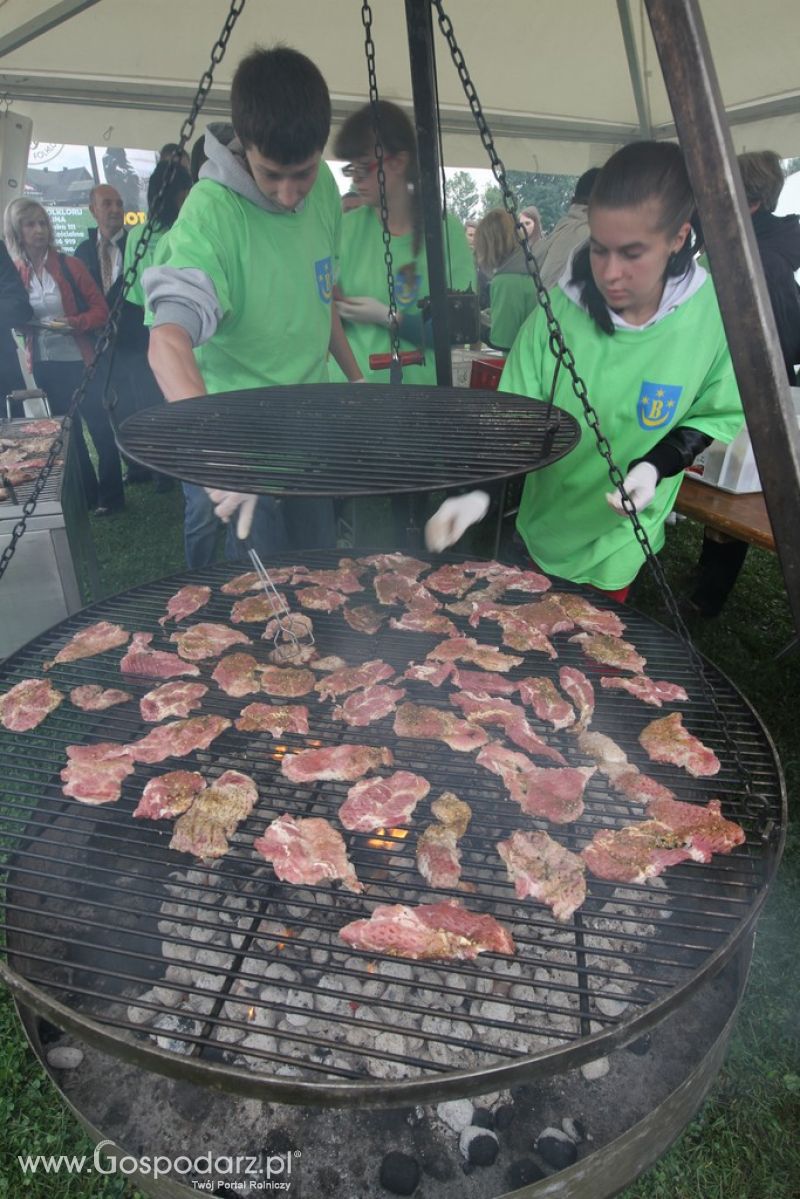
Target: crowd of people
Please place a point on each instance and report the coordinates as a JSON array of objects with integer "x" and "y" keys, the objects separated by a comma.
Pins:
[{"x": 259, "y": 273}]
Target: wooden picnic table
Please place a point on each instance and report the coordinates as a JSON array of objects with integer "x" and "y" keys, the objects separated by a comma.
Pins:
[{"x": 742, "y": 516}]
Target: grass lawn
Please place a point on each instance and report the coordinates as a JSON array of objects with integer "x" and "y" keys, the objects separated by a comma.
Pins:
[{"x": 745, "y": 1143}]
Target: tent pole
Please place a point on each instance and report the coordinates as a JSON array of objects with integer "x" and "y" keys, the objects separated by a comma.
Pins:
[
  {"x": 419, "y": 22},
  {"x": 634, "y": 68},
  {"x": 694, "y": 94}
]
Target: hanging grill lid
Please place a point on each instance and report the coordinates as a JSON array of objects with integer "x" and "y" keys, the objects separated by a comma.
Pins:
[{"x": 334, "y": 439}]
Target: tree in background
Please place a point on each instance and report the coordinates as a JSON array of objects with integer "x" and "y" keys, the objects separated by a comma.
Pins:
[
  {"x": 550, "y": 193},
  {"x": 461, "y": 194}
]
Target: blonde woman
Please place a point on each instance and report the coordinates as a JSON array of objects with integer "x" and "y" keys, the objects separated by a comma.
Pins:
[{"x": 512, "y": 295}]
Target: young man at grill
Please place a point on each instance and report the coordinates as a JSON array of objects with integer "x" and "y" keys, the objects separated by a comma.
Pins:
[{"x": 241, "y": 293}]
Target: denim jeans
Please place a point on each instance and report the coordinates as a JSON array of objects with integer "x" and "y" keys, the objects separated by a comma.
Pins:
[{"x": 303, "y": 523}]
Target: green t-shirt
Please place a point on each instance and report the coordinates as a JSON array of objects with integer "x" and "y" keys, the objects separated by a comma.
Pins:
[
  {"x": 512, "y": 299},
  {"x": 136, "y": 293},
  {"x": 273, "y": 277},
  {"x": 642, "y": 384},
  {"x": 362, "y": 272}
]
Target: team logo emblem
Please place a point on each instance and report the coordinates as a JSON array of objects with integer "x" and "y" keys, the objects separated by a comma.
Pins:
[
  {"x": 658, "y": 403},
  {"x": 324, "y": 272},
  {"x": 406, "y": 288}
]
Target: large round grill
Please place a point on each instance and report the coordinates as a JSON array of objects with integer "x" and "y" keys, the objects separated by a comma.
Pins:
[{"x": 97, "y": 907}]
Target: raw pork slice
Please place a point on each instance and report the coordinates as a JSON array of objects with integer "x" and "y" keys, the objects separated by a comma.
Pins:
[
  {"x": 349, "y": 678},
  {"x": 647, "y": 690},
  {"x": 326, "y": 665},
  {"x": 434, "y": 673},
  {"x": 541, "y": 695},
  {"x": 320, "y": 599},
  {"x": 451, "y": 579},
  {"x": 396, "y": 563},
  {"x": 575, "y": 684},
  {"x": 238, "y": 675},
  {"x": 546, "y": 615},
  {"x": 587, "y": 616},
  {"x": 520, "y": 634},
  {"x": 538, "y": 866},
  {"x": 207, "y": 641},
  {"x": 343, "y": 762},
  {"x": 197, "y": 832},
  {"x": 452, "y": 812},
  {"x": 640, "y": 787},
  {"x": 704, "y": 830},
  {"x": 27, "y": 703},
  {"x": 307, "y": 851},
  {"x": 418, "y": 620},
  {"x": 289, "y": 682},
  {"x": 171, "y": 699},
  {"x": 666, "y": 740},
  {"x": 88, "y": 642},
  {"x": 242, "y": 583},
  {"x": 496, "y": 710},
  {"x": 364, "y": 618},
  {"x": 443, "y": 930},
  {"x": 400, "y": 589},
  {"x": 634, "y": 853},
  {"x": 365, "y": 707},
  {"x": 94, "y": 773},
  {"x": 553, "y": 793},
  {"x": 185, "y": 602},
  {"x": 228, "y": 800},
  {"x": 481, "y": 681},
  {"x": 290, "y": 653},
  {"x": 169, "y": 795},
  {"x": 467, "y": 649},
  {"x": 149, "y": 663},
  {"x": 415, "y": 720},
  {"x": 611, "y": 651},
  {"x": 257, "y": 608},
  {"x": 382, "y": 803},
  {"x": 290, "y": 624},
  {"x": 623, "y": 775},
  {"x": 438, "y": 856},
  {"x": 345, "y": 579},
  {"x": 514, "y": 579},
  {"x": 93, "y": 698},
  {"x": 273, "y": 718},
  {"x": 179, "y": 738}
]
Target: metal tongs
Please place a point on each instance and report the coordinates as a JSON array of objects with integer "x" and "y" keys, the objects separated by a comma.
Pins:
[{"x": 283, "y": 618}]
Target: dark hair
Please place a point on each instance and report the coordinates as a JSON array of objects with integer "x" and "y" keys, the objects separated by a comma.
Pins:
[
  {"x": 356, "y": 139},
  {"x": 198, "y": 157},
  {"x": 762, "y": 176},
  {"x": 583, "y": 188},
  {"x": 637, "y": 173},
  {"x": 169, "y": 207},
  {"x": 280, "y": 105}
]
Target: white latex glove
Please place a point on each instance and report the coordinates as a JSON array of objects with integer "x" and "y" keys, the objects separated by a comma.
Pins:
[
  {"x": 364, "y": 310},
  {"x": 226, "y": 503},
  {"x": 453, "y": 519},
  {"x": 640, "y": 483}
]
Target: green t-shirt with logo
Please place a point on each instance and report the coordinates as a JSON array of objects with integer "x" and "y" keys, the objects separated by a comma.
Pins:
[
  {"x": 362, "y": 272},
  {"x": 273, "y": 277},
  {"x": 642, "y": 384},
  {"x": 136, "y": 292},
  {"x": 512, "y": 299}
]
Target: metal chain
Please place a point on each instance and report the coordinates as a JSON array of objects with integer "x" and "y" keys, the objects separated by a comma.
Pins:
[
  {"x": 369, "y": 49},
  {"x": 108, "y": 333},
  {"x": 564, "y": 357}
]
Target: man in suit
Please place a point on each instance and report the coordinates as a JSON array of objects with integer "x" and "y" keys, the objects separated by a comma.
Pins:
[{"x": 15, "y": 311}]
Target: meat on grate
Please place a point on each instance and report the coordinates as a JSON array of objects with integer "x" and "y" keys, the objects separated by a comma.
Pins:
[
  {"x": 238, "y": 675},
  {"x": 290, "y": 624},
  {"x": 624, "y": 776},
  {"x": 320, "y": 599},
  {"x": 496, "y": 710},
  {"x": 345, "y": 763},
  {"x": 666, "y": 740},
  {"x": 647, "y": 690},
  {"x": 611, "y": 651},
  {"x": 546, "y": 615},
  {"x": 255, "y": 609},
  {"x": 207, "y": 641},
  {"x": 434, "y": 673},
  {"x": 443, "y": 930},
  {"x": 171, "y": 699},
  {"x": 452, "y": 812},
  {"x": 94, "y": 773},
  {"x": 344, "y": 579},
  {"x": 290, "y": 682},
  {"x": 169, "y": 795},
  {"x": 350, "y": 678},
  {"x": 186, "y": 601},
  {"x": 395, "y": 563},
  {"x": 273, "y": 718},
  {"x": 575, "y": 684},
  {"x": 704, "y": 830},
  {"x": 420, "y": 621},
  {"x": 307, "y": 851},
  {"x": 587, "y": 616},
  {"x": 93, "y": 698},
  {"x": 96, "y": 639},
  {"x": 178, "y": 738},
  {"x": 482, "y": 681},
  {"x": 541, "y": 695},
  {"x": 554, "y": 793},
  {"x": 27, "y": 704},
  {"x": 438, "y": 856},
  {"x": 147, "y": 663},
  {"x": 364, "y": 618},
  {"x": 249, "y": 581},
  {"x": 520, "y": 634},
  {"x": 213, "y": 817},
  {"x": 290, "y": 653},
  {"x": 467, "y": 649},
  {"x": 382, "y": 803},
  {"x": 634, "y": 853},
  {"x": 541, "y": 868},
  {"x": 365, "y": 707},
  {"x": 451, "y": 579},
  {"x": 418, "y": 721},
  {"x": 400, "y": 589}
]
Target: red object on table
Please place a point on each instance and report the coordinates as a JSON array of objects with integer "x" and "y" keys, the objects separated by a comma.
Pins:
[{"x": 485, "y": 373}]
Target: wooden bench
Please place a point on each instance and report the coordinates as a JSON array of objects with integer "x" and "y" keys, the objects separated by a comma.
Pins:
[{"x": 741, "y": 516}]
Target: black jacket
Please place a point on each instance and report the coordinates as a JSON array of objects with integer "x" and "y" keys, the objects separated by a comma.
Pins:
[
  {"x": 778, "y": 239},
  {"x": 131, "y": 333},
  {"x": 15, "y": 311}
]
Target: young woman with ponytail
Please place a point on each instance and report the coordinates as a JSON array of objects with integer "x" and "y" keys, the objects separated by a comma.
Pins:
[{"x": 642, "y": 320}]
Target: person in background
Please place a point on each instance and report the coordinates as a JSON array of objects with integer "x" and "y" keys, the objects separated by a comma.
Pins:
[
  {"x": 68, "y": 307},
  {"x": 362, "y": 283},
  {"x": 512, "y": 295},
  {"x": 531, "y": 222},
  {"x": 778, "y": 241},
  {"x": 552, "y": 252},
  {"x": 483, "y": 279},
  {"x": 122, "y": 176},
  {"x": 15, "y": 311},
  {"x": 241, "y": 293},
  {"x": 172, "y": 150},
  {"x": 642, "y": 320}
]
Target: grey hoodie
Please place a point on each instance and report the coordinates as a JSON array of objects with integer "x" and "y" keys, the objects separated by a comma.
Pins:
[
  {"x": 552, "y": 252},
  {"x": 186, "y": 296}
]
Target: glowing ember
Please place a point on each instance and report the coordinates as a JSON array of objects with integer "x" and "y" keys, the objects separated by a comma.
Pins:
[
  {"x": 251, "y": 1013},
  {"x": 396, "y": 833}
]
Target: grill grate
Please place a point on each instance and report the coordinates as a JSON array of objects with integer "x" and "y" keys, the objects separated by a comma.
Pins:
[
  {"x": 50, "y": 498},
  {"x": 330, "y": 440},
  {"x": 87, "y": 926}
]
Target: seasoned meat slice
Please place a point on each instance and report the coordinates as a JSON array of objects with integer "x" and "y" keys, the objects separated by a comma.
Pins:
[
  {"x": 307, "y": 851},
  {"x": 435, "y": 930},
  {"x": 541, "y": 868}
]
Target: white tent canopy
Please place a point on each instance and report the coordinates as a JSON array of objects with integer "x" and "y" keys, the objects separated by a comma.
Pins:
[{"x": 563, "y": 82}]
